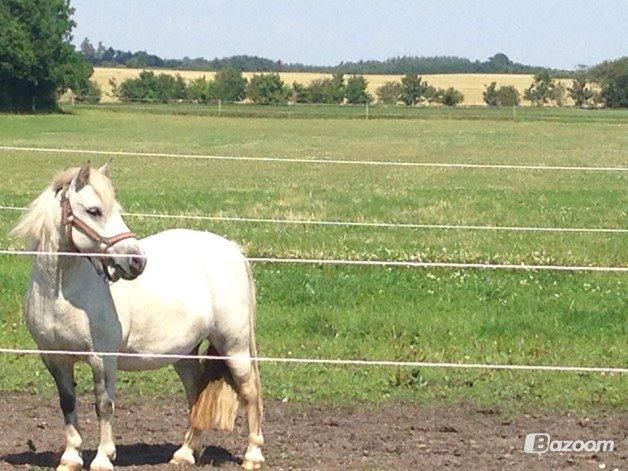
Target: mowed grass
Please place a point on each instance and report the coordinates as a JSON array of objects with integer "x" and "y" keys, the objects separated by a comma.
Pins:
[
  {"x": 378, "y": 313},
  {"x": 374, "y": 111},
  {"x": 472, "y": 86}
]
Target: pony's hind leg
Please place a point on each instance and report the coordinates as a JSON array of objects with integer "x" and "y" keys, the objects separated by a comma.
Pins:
[
  {"x": 63, "y": 374},
  {"x": 247, "y": 381},
  {"x": 104, "y": 371},
  {"x": 192, "y": 375}
]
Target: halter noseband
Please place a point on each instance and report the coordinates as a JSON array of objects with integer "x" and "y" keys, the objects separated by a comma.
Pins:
[{"x": 69, "y": 221}]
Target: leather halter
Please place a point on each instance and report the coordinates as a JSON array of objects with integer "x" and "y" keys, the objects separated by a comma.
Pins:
[{"x": 69, "y": 221}]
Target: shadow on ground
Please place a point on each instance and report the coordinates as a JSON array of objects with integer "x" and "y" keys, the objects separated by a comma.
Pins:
[{"x": 140, "y": 454}]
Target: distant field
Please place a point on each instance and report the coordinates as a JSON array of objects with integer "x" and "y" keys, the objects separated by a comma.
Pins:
[
  {"x": 491, "y": 316},
  {"x": 471, "y": 85}
]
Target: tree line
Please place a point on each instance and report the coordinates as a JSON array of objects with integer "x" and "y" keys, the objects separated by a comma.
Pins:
[
  {"x": 605, "y": 85},
  {"x": 38, "y": 63},
  {"x": 103, "y": 56},
  {"x": 230, "y": 85}
]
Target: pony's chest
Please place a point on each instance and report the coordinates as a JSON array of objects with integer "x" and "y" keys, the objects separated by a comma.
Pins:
[{"x": 59, "y": 323}]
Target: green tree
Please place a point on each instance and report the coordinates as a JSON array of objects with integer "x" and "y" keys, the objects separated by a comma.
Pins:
[
  {"x": 557, "y": 93},
  {"x": 413, "y": 89},
  {"x": 389, "y": 93},
  {"x": 267, "y": 89},
  {"x": 490, "y": 95},
  {"x": 612, "y": 76},
  {"x": 508, "y": 95},
  {"x": 299, "y": 92},
  {"x": 540, "y": 92},
  {"x": 327, "y": 90},
  {"x": 150, "y": 87},
  {"x": 201, "y": 90},
  {"x": 579, "y": 92},
  {"x": 615, "y": 92},
  {"x": 230, "y": 84},
  {"x": 37, "y": 60},
  {"x": 337, "y": 89},
  {"x": 432, "y": 94},
  {"x": 88, "y": 50},
  {"x": 356, "y": 90}
]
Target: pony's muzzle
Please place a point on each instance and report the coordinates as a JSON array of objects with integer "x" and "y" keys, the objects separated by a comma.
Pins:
[{"x": 131, "y": 265}]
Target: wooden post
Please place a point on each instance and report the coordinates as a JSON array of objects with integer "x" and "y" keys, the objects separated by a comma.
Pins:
[
  {"x": 367, "y": 110},
  {"x": 514, "y": 112},
  {"x": 219, "y": 106}
]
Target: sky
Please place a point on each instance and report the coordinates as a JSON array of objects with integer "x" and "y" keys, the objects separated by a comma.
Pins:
[{"x": 548, "y": 33}]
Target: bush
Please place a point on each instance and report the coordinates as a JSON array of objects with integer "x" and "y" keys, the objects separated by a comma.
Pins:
[
  {"x": 490, "y": 95},
  {"x": 356, "y": 90},
  {"x": 450, "y": 97},
  {"x": 612, "y": 76},
  {"x": 298, "y": 93},
  {"x": 327, "y": 90},
  {"x": 508, "y": 95},
  {"x": 389, "y": 93},
  {"x": 433, "y": 94},
  {"x": 90, "y": 93},
  {"x": 230, "y": 85},
  {"x": 267, "y": 89},
  {"x": 579, "y": 92},
  {"x": 202, "y": 90},
  {"x": 149, "y": 87},
  {"x": 557, "y": 93}
]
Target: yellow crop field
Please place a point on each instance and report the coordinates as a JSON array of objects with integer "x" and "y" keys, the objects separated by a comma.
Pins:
[{"x": 471, "y": 85}]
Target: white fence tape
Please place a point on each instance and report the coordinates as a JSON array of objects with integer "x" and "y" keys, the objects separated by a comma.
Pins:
[
  {"x": 373, "y": 263},
  {"x": 374, "y": 224},
  {"x": 318, "y": 160},
  {"x": 325, "y": 361}
]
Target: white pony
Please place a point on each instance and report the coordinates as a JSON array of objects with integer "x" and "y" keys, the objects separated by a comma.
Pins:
[{"x": 178, "y": 288}]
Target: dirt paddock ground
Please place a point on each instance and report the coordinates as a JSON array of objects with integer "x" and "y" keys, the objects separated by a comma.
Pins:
[{"x": 300, "y": 436}]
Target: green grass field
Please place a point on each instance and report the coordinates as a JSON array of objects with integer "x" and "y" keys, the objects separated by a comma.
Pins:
[{"x": 379, "y": 313}]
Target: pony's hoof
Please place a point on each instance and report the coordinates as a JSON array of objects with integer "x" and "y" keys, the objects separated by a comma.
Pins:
[
  {"x": 101, "y": 465},
  {"x": 184, "y": 456},
  {"x": 179, "y": 461},
  {"x": 69, "y": 466},
  {"x": 250, "y": 464},
  {"x": 253, "y": 458}
]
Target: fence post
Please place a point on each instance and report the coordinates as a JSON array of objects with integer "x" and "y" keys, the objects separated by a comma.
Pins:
[
  {"x": 514, "y": 112},
  {"x": 367, "y": 110},
  {"x": 219, "y": 106}
]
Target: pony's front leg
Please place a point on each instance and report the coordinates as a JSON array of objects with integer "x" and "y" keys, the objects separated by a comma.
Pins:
[
  {"x": 63, "y": 374},
  {"x": 104, "y": 371}
]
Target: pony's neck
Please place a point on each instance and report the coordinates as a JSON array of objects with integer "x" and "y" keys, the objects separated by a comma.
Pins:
[{"x": 53, "y": 268}]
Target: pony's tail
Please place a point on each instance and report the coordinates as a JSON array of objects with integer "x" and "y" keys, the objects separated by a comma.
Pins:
[{"x": 217, "y": 405}]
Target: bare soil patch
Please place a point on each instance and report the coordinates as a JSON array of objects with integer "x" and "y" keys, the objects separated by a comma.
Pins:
[{"x": 302, "y": 436}]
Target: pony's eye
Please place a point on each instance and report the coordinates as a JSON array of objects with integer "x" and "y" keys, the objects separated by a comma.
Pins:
[{"x": 95, "y": 212}]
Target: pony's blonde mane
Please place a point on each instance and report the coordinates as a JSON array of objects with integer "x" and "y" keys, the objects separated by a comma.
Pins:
[{"x": 40, "y": 225}]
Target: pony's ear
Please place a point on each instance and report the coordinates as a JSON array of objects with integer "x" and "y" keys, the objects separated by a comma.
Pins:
[
  {"x": 105, "y": 169},
  {"x": 82, "y": 178}
]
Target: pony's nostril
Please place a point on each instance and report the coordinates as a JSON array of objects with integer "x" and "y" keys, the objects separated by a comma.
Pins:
[{"x": 136, "y": 263}]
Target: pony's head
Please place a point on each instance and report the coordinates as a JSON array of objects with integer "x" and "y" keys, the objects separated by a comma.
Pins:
[{"x": 79, "y": 211}]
